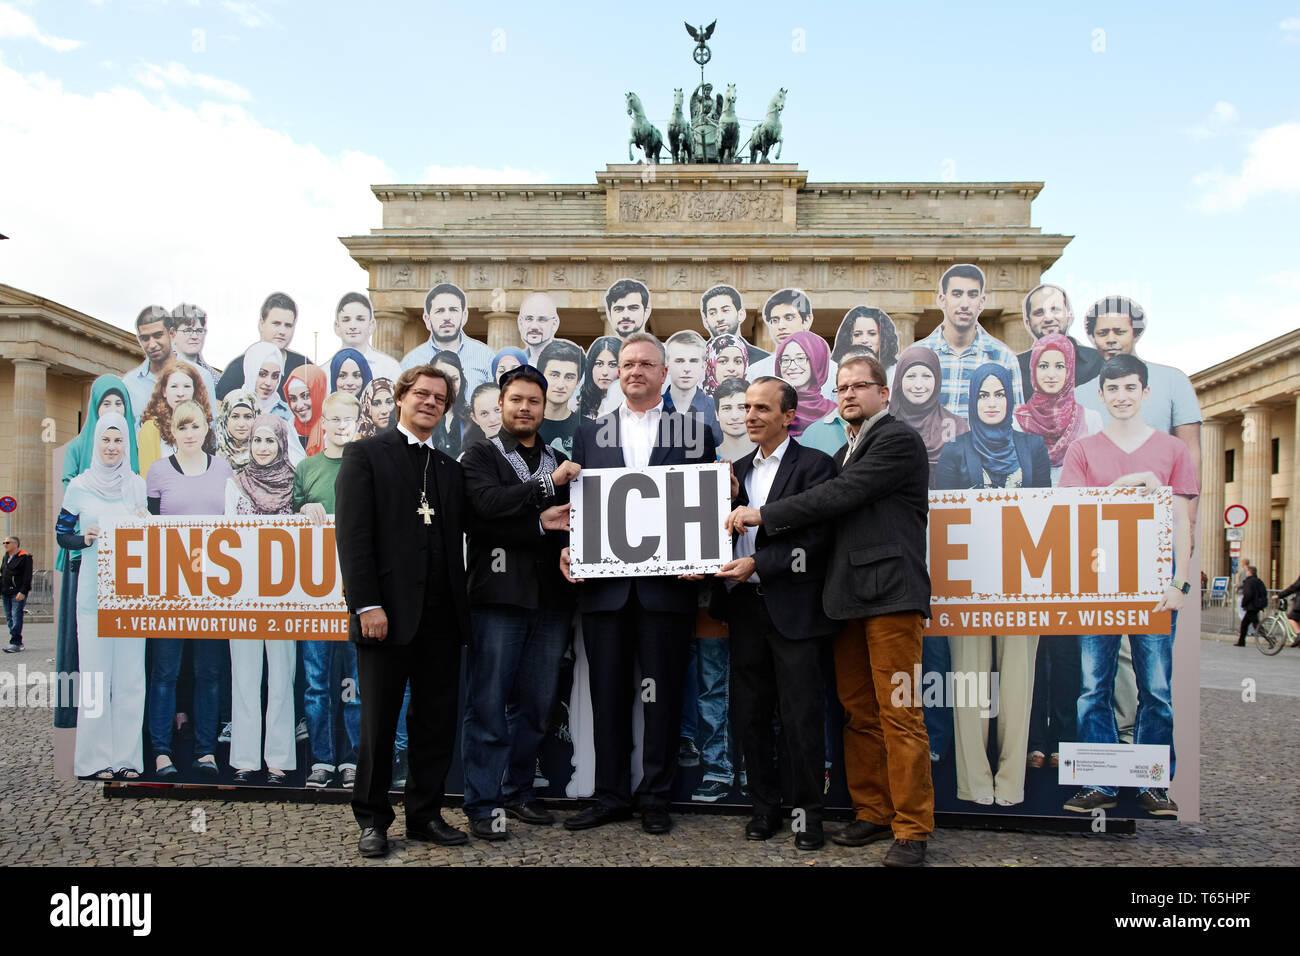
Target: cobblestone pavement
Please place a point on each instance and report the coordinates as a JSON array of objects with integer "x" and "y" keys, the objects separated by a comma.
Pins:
[{"x": 1249, "y": 766}]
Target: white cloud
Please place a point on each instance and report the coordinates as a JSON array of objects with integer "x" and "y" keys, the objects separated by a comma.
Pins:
[
  {"x": 1248, "y": 315},
  {"x": 249, "y": 14},
  {"x": 14, "y": 24},
  {"x": 1270, "y": 167},
  {"x": 477, "y": 174},
  {"x": 1290, "y": 28},
  {"x": 199, "y": 204},
  {"x": 157, "y": 77},
  {"x": 1221, "y": 119}
]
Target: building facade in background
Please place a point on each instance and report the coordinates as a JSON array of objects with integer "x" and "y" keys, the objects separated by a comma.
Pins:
[{"x": 1250, "y": 455}]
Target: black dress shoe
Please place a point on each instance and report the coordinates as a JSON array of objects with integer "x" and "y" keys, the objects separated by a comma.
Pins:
[
  {"x": 373, "y": 842},
  {"x": 761, "y": 826},
  {"x": 485, "y": 829},
  {"x": 436, "y": 831},
  {"x": 860, "y": 833},
  {"x": 811, "y": 837},
  {"x": 244, "y": 777},
  {"x": 597, "y": 816},
  {"x": 530, "y": 813},
  {"x": 656, "y": 820}
]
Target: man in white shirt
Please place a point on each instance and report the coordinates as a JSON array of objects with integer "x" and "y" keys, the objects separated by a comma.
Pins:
[
  {"x": 445, "y": 313},
  {"x": 354, "y": 324},
  {"x": 156, "y": 343}
]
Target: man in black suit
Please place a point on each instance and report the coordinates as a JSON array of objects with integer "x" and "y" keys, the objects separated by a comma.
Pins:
[
  {"x": 398, "y": 511},
  {"x": 1046, "y": 310},
  {"x": 518, "y": 493},
  {"x": 629, "y": 620},
  {"x": 878, "y": 585},
  {"x": 773, "y": 607}
]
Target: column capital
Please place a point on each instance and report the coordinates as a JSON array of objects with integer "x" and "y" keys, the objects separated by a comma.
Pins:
[{"x": 30, "y": 362}]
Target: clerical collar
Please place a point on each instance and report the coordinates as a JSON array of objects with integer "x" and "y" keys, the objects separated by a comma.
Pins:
[{"x": 411, "y": 439}]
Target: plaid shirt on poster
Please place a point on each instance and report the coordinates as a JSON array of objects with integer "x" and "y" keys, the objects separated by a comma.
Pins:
[{"x": 958, "y": 367}]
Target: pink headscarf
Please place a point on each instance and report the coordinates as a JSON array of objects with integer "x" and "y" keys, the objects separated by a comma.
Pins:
[
  {"x": 813, "y": 406},
  {"x": 1058, "y": 418}
]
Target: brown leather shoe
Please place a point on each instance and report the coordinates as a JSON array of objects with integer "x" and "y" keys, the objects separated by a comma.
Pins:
[{"x": 906, "y": 853}]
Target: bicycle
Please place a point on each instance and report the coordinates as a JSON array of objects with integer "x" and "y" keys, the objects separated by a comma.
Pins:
[{"x": 1273, "y": 632}]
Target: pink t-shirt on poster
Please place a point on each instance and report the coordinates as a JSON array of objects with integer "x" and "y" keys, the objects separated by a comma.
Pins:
[{"x": 1095, "y": 461}]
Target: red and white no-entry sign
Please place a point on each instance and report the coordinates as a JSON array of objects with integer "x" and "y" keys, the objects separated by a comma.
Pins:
[{"x": 1234, "y": 516}]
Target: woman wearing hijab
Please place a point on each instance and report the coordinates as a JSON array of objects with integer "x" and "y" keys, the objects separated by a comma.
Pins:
[
  {"x": 873, "y": 329},
  {"x": 1051, "y": 410},
  {"x": 508, "y": 358},
  {"x": 725, "y": 357},
  {"x": 914, "y": 399},
  {"x": 177, "y": 382},
  {"x": 993, "y": 455},
  {"x": 457, "y": 430},
  {"x": 235, "y": 427},
  {"x": 192, "y": 481},
  {"x": 1053, "y": 413},
  {"x": 601, "y": 371},
  {"x": 108, "y": 393},
  {"x": 378, "y": 409},
  {"x": 263, "y": 370},
  {"x": 304, "y": 391},
  {"x": 803, "y": 360},
  {"x": 109, "y": 741},
  {"x": 264, "y": 487},
  {"x": 349, "y": 372}
]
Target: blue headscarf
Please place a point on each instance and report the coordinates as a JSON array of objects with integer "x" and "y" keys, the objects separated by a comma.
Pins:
[
  {"x": 520, "y": 355},
  {"x": 993, "y": 443},
  {"x": 336, "y": 363}
]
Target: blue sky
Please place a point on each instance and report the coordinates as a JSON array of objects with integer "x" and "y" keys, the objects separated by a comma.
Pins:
[{"x": 212, "y": 150}]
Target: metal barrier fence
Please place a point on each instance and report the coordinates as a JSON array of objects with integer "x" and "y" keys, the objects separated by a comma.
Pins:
[
  {"x": 40, "y": 601},
  {"x": 1222, "y": 615}
]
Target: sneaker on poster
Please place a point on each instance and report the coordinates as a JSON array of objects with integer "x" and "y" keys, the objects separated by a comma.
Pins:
[
  {"x": 224, "y": 736},
  {"x": 301, "y": 730},
  {"x": 1157, "y": 803},
  {"x": 710, "y": 791},
  {"x": 1089, "y": 799},
  {"x": 320, "y": 778},
  {"x": 688, "y": 755},
  {"x": 539, "y": 778}
]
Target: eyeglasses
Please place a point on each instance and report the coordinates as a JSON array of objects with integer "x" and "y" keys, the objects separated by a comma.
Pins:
[
  {"x": 856, "y": 387},
  {"x": 336, "y": 422},
  {"x": 794, "y": 361},
  {"x": 192, "y": 330}
]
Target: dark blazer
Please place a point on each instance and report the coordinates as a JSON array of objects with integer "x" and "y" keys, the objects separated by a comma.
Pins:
[
  {"x": 755, "y": 353},
  {"x": 793, "y": 597},
  {"x": 879, "y": 504},
  {"x": 511, "y": 561},
  {"x": 960, "y": 467},
  {"x": 682, "y": 440},
  {"x": 233, "y": 377},
  {"x": 1087, "y": 366},
  {"x": 16, "y": 573},
  {"x": 383, "y": 553}
]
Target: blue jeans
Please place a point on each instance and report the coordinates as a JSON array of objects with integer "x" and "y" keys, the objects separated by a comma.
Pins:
[
  {"x": 1153, "y": 665},
  {"x": 399, "y": 738},
  {"x": 512, "y": 675},
  {"x": 690, "y": 693},
  {"x": 14, "y": 617},
  {"x": 324, "y": 696},
  {"x": 714, "y": 667},
  {"x": 936, "y": 658},
  {"x": 163, "y": 672}
]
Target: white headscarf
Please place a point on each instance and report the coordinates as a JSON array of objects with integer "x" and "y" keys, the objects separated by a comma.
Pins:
[
  {"x": 258, "y": 355},
  {"x": 118, "y": 482}
]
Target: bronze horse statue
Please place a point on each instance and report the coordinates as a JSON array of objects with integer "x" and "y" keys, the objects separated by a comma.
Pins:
[
  {"x": 644, "y": 134},
  {"x": 679, "y": 131},
  {"x": 730, "y": 127},
  {"x": 768, "y": 133}
]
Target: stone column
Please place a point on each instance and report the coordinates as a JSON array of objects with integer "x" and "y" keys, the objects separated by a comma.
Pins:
[
  {"x": 502, "y": 331},
  {"x": 1012, "y": 331},
  {"x": 905, "y": 323},
  {"x": 1211, "y": 503},
  {"x": 1257, "y": 493},
  {"x": 1290, "y": 540},
  {"x": 389, "y": 327},
  {"x": 30, "y": 452},
  {"x": 762, "y": 334}
]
